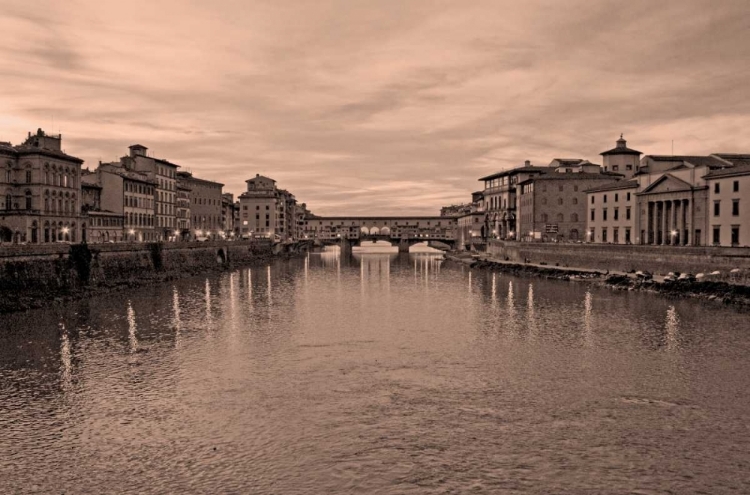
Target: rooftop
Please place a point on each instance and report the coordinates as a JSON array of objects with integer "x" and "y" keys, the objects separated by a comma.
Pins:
[
  {"x": 621, "y": 148},
  {"x": 614, "y": 186}
]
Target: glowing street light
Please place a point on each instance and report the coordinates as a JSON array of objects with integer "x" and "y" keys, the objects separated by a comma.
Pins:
[
  {"x": 65, "y": 230},
  {"x": 131, "y": 231}
]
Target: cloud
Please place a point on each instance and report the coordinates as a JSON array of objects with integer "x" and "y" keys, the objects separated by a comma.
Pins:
[{"x": 375, "y": 107}]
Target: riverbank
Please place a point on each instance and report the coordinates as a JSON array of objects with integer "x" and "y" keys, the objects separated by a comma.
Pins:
[
  {"x": 36, "y": 276},
  {"x": 735, "y": 294}
]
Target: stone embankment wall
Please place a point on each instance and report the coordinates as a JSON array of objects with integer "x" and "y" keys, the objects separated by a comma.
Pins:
[
  {"x": 656, "y": 259},
  {"x": 31, "y": 276}
]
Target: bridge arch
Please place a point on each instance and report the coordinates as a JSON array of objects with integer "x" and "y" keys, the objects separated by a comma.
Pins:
[
  {"x": 364, "y": 230},
  {"x": 385, "y": 231},
  {"x": 374, "y": 231}
]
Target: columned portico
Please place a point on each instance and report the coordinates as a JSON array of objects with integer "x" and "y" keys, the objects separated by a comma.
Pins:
[{"x": 669, "y": 212}]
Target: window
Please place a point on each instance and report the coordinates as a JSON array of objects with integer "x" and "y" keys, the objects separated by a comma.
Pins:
[
  {"x": 717, "y": 235},
  {"x": 575, "y": 188},
  {"x": 735, "y": 235},
  {"x": 605, "y": 198},
  {"x": 561, "y": 188},
  {"x": 735, "y": 207},
  {"x": 560, "y": 217},
  {"x": 616, "y": 235},
  {"x": 717, "y": 208},
  {"x": 593, "y": 215},
  {"x": 627, "y": 213},
  {"x": 716, "y": 188},
  {"x": 617, "y": 214},
  {"x": 592, "y": 199},
  {"x": 28, "y": 176},
  {"x": 604, "y": 234},
  {"x": 8, "y": 201},
  {"x": 628, "y": 167},
  {"x": 615, "y": 168},
  {"x": 559, "y": 201},
  {"x": 736, "y": 186},
  {"x": 574, "y": 217},
  {"x": 627, "y": 236},
  {"x": 617, "y": 197},
  {"x": 575, "y": 201},
  {"x": 604, "y": 214},
  {"x": 627, "y": 198}
]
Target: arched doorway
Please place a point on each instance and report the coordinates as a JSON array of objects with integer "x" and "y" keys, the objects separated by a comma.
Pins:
[
  {"x": 34, "y": 232},
  {"x": 6, "y": 235}
]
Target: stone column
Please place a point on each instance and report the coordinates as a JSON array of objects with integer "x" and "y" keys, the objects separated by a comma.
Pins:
[
  {"x": 686, "y": 220},
  {"x": 654, "y": 223},
  {"x": 651, "y": 224}
]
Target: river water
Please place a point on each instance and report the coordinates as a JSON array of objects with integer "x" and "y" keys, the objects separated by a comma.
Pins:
[{"x": 377, "y": 374}]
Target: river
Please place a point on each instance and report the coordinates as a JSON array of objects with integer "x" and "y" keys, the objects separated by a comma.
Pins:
[{"x": 375, "y": 375}]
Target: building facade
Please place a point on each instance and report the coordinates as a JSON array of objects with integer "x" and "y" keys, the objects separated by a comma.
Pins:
[
  {"x": 163, "y": 175},
  {"x": 102, "y": 225},
  {"x": 40, "y": 187},
  {"x": 613, "y": 213},
  {"x": 552, "y": 206},
  {"x": 729, "y": 202},
  {"x": 258, "y": 208},
  {"x": 205, "y": 205},
  {"x": 131, "y": 194},
  {"x": 182, "y": 210},
  {"x": 501, "y": 201},
  {"x": 679, "y": 201}
]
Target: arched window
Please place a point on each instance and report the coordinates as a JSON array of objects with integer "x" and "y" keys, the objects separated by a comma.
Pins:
[
  {"x": 9, "y": 175},
  {"x": 559, "y": 201},
  {"x": 8, "y": 201},
  {"x": 28, "y": 175},
  {"x": 545, "y": 218},
  {"x": 28, "y": 200},
  {"x": 575, "y": 201},
  {"x": 574, "y": 217},
  {"x": 46, "y": 205},
  {"x": 560, "y": 217}
]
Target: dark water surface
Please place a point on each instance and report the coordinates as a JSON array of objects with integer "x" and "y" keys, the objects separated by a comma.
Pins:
[{"x": 383, "y": 375}]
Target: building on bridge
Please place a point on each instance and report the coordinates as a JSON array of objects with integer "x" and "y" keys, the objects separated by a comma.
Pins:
[{"x": 395, "y": 228}]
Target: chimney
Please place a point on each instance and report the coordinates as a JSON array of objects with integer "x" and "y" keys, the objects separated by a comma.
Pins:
[{"x": 527, "y": 163}]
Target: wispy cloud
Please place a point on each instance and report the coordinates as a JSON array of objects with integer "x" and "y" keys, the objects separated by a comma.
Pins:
[{"x": 375, "y": 107}]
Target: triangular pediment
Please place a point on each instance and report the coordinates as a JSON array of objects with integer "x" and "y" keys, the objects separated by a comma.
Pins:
[{"x": 667, "y": 183}]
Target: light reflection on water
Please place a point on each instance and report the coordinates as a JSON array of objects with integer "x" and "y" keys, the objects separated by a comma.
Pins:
[{"x": 374, "y": 374}]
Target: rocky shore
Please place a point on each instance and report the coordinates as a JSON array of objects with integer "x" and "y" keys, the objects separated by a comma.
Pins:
[{"x": 711, "y": 290}]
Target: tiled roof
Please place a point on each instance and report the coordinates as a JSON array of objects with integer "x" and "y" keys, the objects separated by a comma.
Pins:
[
  {"x": 33, "y": 150},
  {"x": 531, "y": 168},
  {"x": 613, "y": 186},
  {"x": 575, "y": 176},
  {"x": 697, "y": 160},
  {"x": 621, "y": 150},
  {"x": 741, "y": 169}
]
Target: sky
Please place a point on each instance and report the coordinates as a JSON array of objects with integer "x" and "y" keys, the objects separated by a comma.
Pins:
[{"x": 388, "y": 107}]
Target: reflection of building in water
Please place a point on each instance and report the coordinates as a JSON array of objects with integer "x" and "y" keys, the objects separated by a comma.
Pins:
[
  {"x": 587, "y": 308},
  {"x": 375, "y": 266},
  {"x": 66, "y": 371},
  {"x": 132, "y": 338},
  {"x": 208, "y": 300},
  {"x": 176, "y": 323},
  {"x": 671, "y": 326}
]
